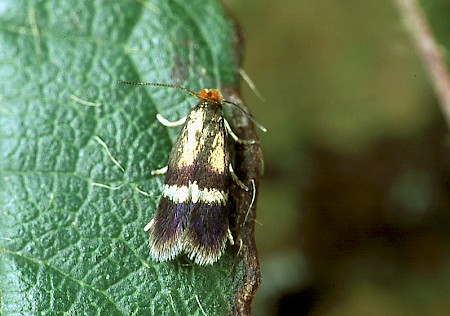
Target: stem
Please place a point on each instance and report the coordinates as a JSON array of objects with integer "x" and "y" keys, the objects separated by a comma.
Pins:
[{"x": 429, "y": 52}]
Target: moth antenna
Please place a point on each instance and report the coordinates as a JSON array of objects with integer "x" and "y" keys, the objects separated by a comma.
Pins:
[
  {"x": 257, "y": 124},
  {"x": 139, "y": 83}
]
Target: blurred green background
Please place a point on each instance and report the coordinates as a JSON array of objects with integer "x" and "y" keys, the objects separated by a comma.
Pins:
[{"x": 353, "y": 211}]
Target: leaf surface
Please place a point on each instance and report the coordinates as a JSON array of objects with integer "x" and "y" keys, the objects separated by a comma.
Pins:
[{"x": 77, "y": 148}]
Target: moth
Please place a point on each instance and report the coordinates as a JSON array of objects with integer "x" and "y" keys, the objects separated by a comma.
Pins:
[{"x": 192, "y": 215}]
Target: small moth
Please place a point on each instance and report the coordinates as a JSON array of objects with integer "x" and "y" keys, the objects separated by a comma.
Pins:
[{"x": 192, "y": 216}]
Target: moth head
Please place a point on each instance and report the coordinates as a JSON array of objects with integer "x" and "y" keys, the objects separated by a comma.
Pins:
[{"x": 210, "y": 94}]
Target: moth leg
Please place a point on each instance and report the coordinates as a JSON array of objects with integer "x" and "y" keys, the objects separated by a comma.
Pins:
[
  {"x": 235, "y": 137},
  {"x": 241, "y": 244},
  {"x": 168, "y": 123},
  {"x": 160, "y": 171},
  {"x": 236, "y": 179},
  {"x": 253, "y": 200},
  {"x": 230, "y": 237},
  {"x": 148, "y": 226}
]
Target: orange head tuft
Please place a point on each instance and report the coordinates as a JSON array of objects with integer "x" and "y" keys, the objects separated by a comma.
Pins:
[{"x": 207, "y": 94}]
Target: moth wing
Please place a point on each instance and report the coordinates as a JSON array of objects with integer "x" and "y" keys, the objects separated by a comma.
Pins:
[
  {"x": 170, "y": 217},
  {"x": 167, "y": 229},
  {"x": 206, "y": 231},
  {"x": 205, "y": 236}
]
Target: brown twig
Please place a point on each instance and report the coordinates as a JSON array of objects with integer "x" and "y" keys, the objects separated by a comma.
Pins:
[
  {"x": 247, "y": 167},
  {"x": 429, "y": 51}
]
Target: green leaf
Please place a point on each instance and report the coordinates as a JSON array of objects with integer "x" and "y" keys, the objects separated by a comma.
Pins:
[{"x": 77, "y": 148}]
